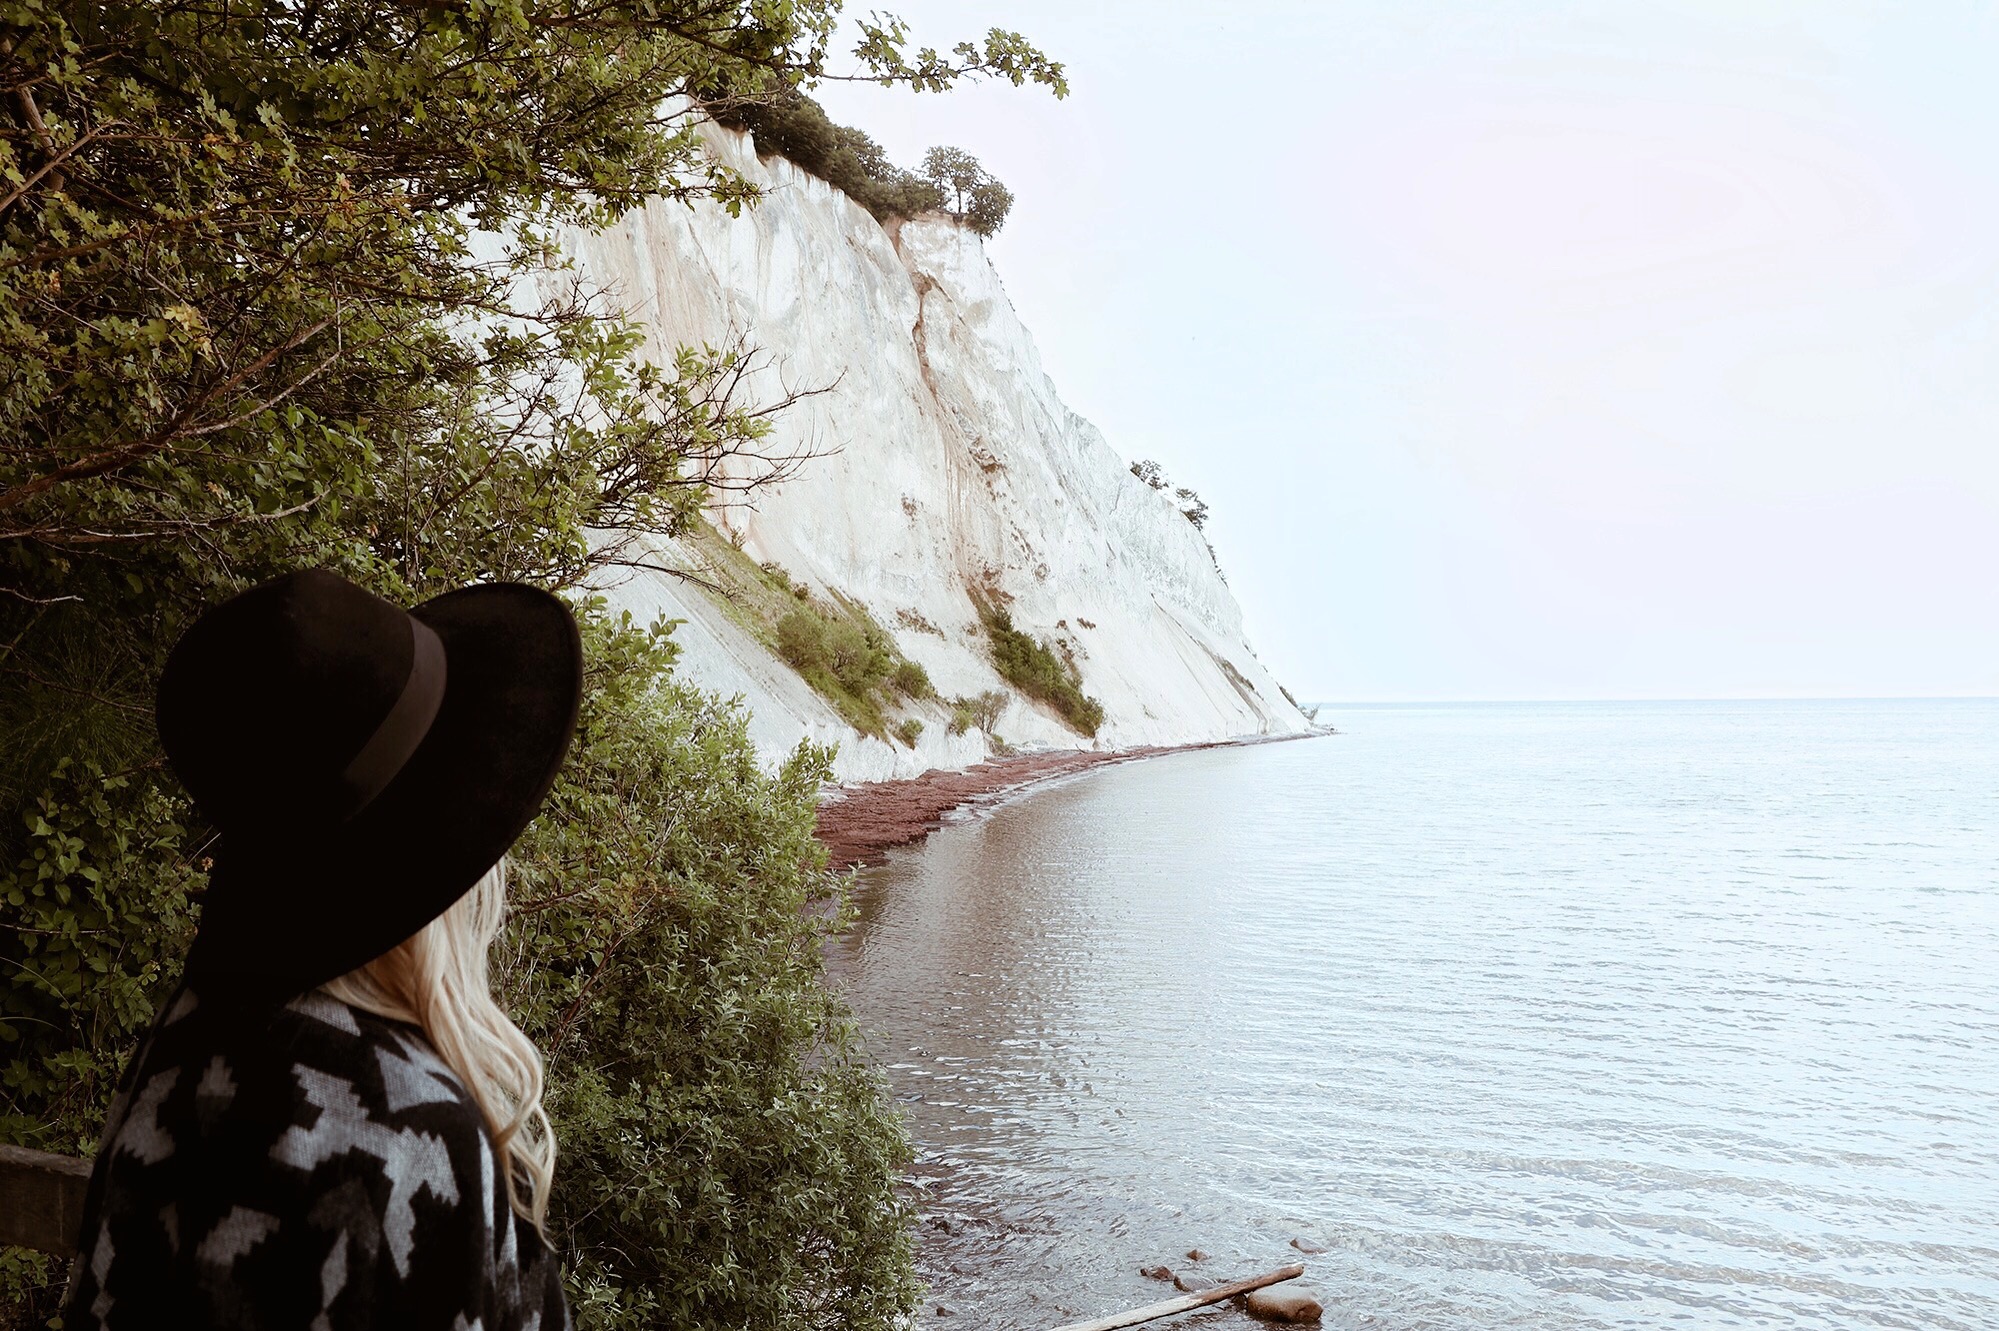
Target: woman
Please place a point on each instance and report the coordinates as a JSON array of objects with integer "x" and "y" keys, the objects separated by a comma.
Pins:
[{"x": 333, "y": 1125}]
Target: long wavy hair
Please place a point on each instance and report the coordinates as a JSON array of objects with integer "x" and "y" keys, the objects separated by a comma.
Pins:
[{"x": 437, "y": 981}]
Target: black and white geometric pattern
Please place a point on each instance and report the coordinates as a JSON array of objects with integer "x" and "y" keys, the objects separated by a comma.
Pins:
[{"x": 323, "y": 1172}]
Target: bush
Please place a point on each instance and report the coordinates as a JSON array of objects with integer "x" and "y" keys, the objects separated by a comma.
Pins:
[
  {"x": 909, "y": 730},
  {"x": 859, "y": 655},
  {"x": 780, "y": 580},
  {"x": 728, "y": 1159},
  {"x": 793, "y": 126},
  {"x": 801, "y": 640},
  {"x": 912, "y": 681},
  {"x": 978, "y": 712},
  {"x": 1033, "y": 667},
  {"x": 835, "y": 647}
]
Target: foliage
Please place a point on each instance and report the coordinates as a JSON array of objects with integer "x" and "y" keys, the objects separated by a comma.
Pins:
[
  {"x": 1032, "y": 666},
  {"x": 833, "y": 643},
  {"x": 911, "y": 680},
  {"x": 95, "y": 914},
  {"x": 844, "y": 655},
  {"x": 981, "y": 711},
  {"x": 727, "y": 1157},
  {"x": 246, "y": 325},
  {"x": 976, "y": 199},
  {"x": 909, "y": 730},
  {"x": 1191, "y": 505},
  {"x": 791, "y": 125}
]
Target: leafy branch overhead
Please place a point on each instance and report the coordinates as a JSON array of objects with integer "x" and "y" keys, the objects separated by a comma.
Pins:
[
  {"x": 214, "y": 212},
  {"x": 884, "y": 50}
]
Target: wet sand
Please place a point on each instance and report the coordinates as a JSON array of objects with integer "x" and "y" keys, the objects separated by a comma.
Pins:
[{"x": 861, "y": 823}]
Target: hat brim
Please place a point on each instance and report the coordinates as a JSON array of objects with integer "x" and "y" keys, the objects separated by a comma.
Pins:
[{"x": 280, "y": 920}]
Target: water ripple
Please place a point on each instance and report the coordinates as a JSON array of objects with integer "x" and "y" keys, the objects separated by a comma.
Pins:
[{"x": 1533, "y": 1016}]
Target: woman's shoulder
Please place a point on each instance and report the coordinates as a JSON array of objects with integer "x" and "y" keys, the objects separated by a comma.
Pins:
[
  {"x": 382, "y": 1066},
  {"x": 312, "y": 1085},
  {"x": 252, "y": 1162}
]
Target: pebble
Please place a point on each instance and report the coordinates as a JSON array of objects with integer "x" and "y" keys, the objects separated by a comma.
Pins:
[
  {"x": 1283, "y": 1305},
  {"x": 1156, "y": 1272},
  {"x": 1307, "y": 1246},
  {"x": 1192, "y": 1284},
  {"x": 1196, "y": 1255}
]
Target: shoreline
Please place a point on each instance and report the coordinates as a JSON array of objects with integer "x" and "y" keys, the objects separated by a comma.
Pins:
[{"x": 860, "y": 823}]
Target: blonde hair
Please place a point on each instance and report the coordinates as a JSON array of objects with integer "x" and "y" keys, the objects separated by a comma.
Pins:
[{"x": 436, "y": 980}]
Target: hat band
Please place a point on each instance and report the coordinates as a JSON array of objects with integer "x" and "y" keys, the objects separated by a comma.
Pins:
[{"x": 395, "y": 741}]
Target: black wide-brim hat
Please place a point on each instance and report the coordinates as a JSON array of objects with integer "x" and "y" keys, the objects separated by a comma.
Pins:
[{"x": 364, "y": 765}]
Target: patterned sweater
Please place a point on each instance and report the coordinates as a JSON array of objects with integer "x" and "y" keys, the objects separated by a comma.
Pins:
[{"x": 325, "y": 1171}]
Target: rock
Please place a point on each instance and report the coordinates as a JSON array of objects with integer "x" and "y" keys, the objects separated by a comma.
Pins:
[
  {"x": 1196, "y": 1255},
  {"x": 1192, "y": 1284},
  {"x": 938, "y": 382},
  {"x": 1275, "y": 1303},
  {"x": 1156, "y": 1272},
  {"x": 1309, "y": 1247},
  {"x": 944, "y": 1310}
]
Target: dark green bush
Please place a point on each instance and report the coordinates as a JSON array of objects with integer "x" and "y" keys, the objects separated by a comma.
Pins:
[
  {"x": 909, "y": 730},
  {"x": 775, "y": 575},
  {"x": 727, "y": 1156},
  {"x": 1033, "y": 667},
  {"x": 843, "y": 655},
  {"x": 912, "y": 681},
  {"x": 801, "y": 639},
  {"x": 859, "y": 654},
  {"x": 793, "y": 126},
  {"x": 970, "y": 192}
]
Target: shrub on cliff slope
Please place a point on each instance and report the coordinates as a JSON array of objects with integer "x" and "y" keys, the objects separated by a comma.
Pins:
[
  {"x": 1032, "y": 666},
  {"x": 242, "y": 329},
  {"x": 833, "y": 643},
  {"x": 981, "y": 711}
]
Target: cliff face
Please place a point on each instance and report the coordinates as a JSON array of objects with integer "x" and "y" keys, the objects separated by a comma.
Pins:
[{"x": 956, "y": 471}]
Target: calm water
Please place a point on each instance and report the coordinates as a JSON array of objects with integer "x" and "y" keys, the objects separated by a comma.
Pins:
[{"x": 1534, "y": 1016}]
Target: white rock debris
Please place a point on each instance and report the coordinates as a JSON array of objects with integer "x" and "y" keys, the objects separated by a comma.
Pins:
[{"x": 951, "y": 465}]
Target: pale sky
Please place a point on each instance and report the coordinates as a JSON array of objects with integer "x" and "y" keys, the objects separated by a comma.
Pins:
[{"x": 1530, "y": 350}]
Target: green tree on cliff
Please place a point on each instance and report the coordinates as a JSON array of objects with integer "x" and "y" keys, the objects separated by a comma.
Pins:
[
  {"x": 275, "y": 289},
  {"x": 972, "y": 195}
]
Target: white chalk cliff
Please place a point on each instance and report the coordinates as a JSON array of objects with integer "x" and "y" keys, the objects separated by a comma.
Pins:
[{"x": 957, "y": 468}]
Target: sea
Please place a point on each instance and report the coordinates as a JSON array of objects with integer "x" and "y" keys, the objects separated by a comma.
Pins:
[{"x": 1500, "y": 1015}]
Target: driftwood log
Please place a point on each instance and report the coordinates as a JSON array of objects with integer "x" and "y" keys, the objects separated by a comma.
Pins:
[
  {"x": 41, "y": 1199},
  {"x": 1186, "y": 1302}
]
